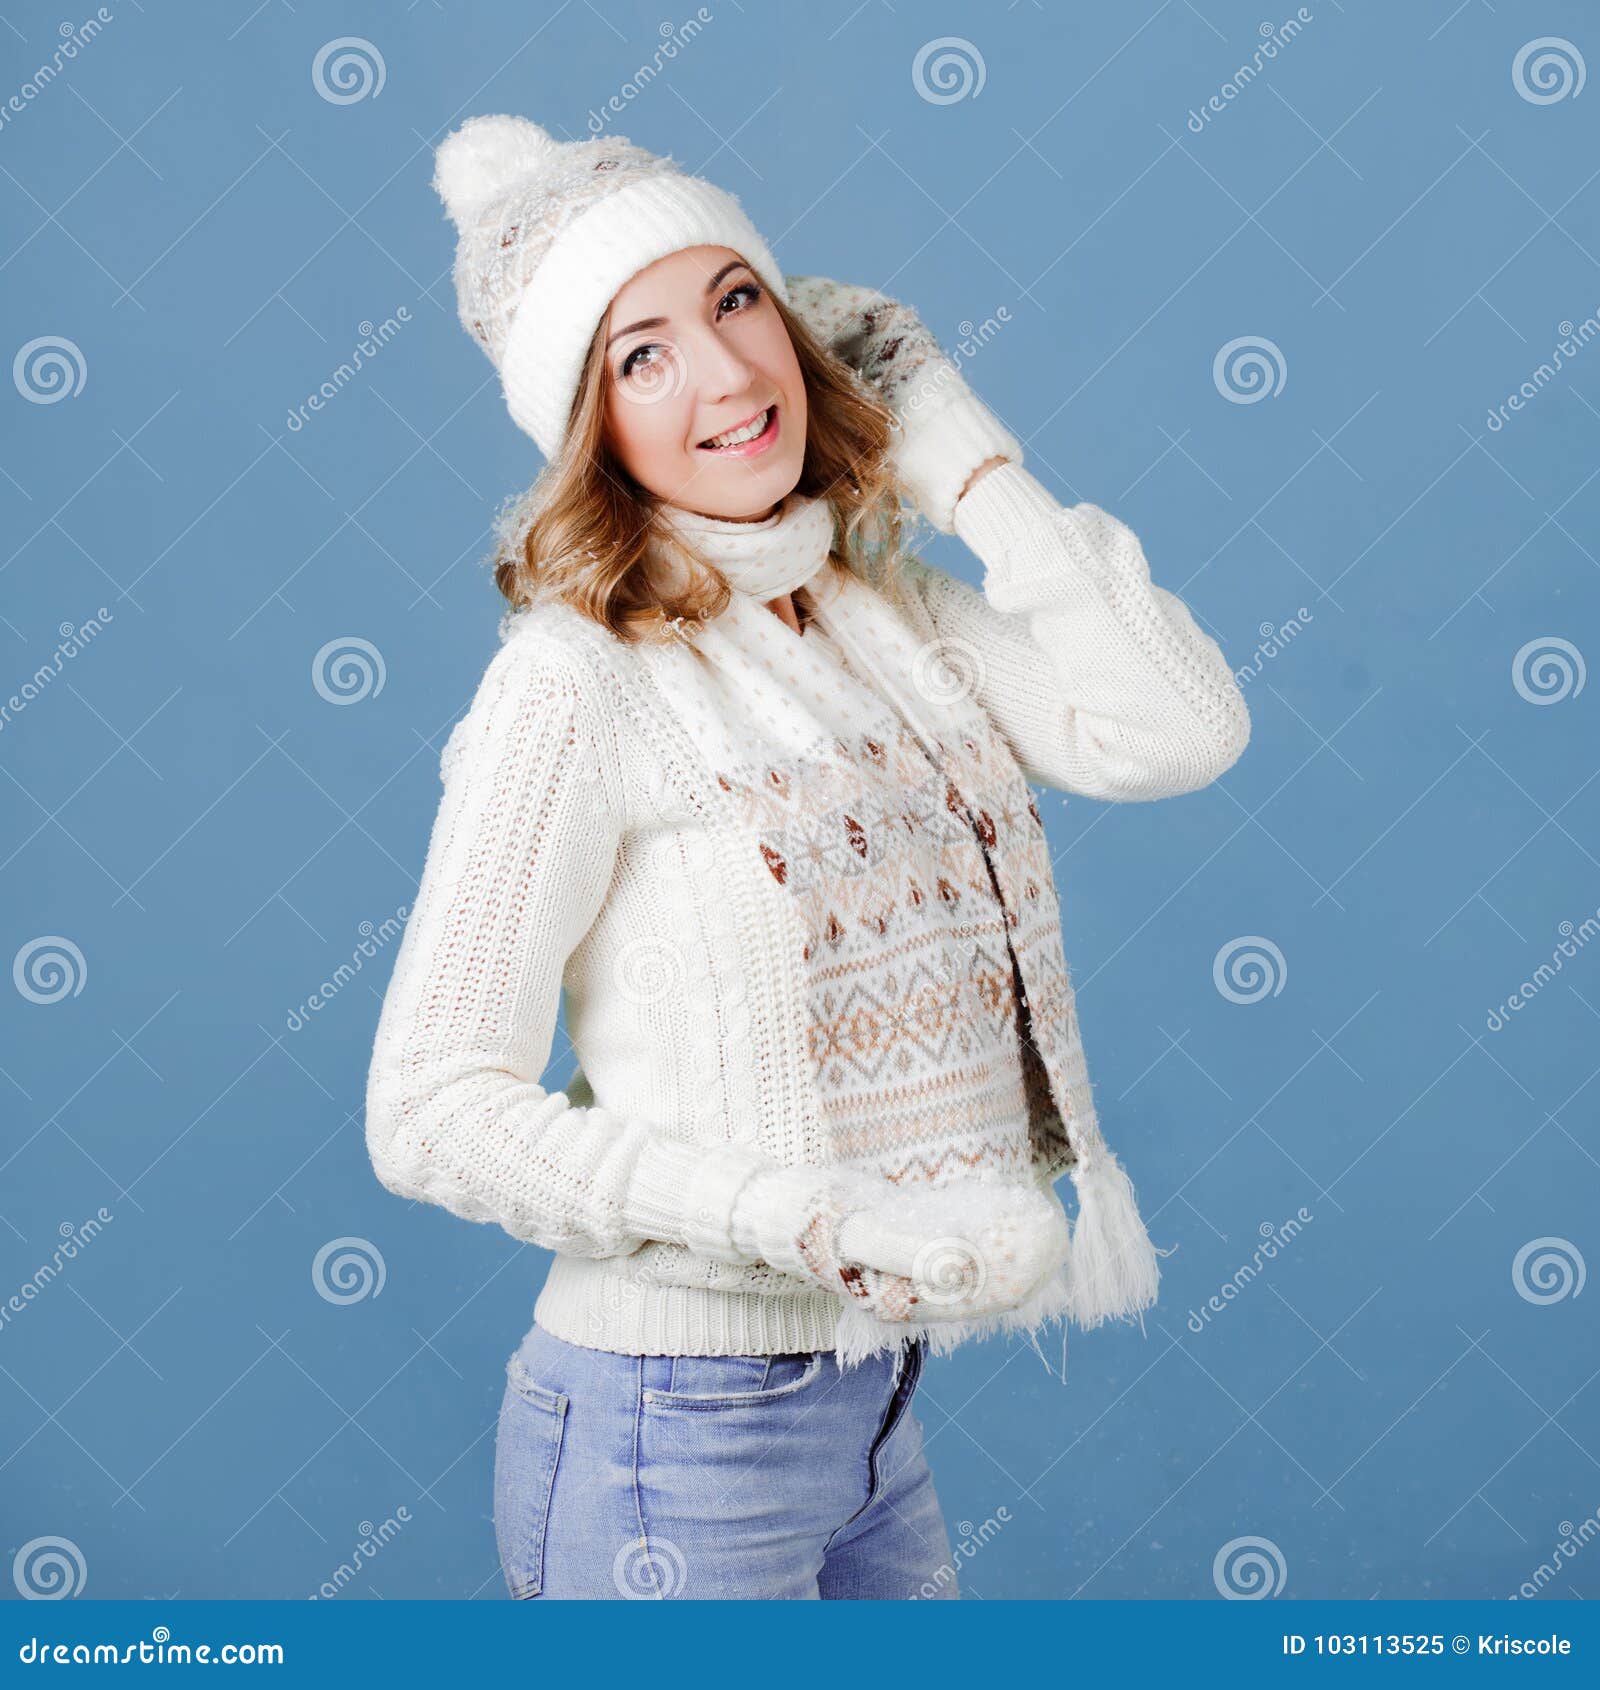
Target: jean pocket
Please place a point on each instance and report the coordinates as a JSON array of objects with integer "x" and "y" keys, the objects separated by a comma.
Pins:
[
  {"x": 712, "y": 1383},
  {"x": 527, "y": 1450}
]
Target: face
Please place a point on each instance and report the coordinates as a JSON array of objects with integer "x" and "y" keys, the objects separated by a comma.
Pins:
[{"x": 696, "y": 352}]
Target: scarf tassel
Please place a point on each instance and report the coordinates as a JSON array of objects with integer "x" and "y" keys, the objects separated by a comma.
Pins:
[{"x": 1113, "y": 1273}]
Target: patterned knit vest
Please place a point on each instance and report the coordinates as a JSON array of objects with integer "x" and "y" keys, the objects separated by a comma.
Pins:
[{"x": 941, "y": 1026}]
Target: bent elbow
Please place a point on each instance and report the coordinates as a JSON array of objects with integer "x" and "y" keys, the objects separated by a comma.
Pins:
[
  {"x": 1167, "y": 765},
  {"x": 393, "y": 1141},
  {"x": 1196, "y": 760},
  {"x": 1219, "y": 743},
  {"x": 409, "y": 1111},
  {"x": 472, "y": 1136}
]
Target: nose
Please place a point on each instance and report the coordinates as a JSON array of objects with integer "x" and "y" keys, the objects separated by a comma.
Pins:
[{"x": 719, "y": 370}]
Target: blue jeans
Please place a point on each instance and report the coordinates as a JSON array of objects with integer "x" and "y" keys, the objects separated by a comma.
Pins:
[{"x": 714, "y": 1477}]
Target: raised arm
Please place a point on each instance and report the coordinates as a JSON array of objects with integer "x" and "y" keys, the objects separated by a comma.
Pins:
[
  {"x": 1101, "y": 681},
  {"x": 945, "y": 432}
]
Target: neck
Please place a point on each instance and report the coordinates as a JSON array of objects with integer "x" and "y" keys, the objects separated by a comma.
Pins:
[
  {"x": 787, "y": 611},
  {"x": 711, "y": 516}
]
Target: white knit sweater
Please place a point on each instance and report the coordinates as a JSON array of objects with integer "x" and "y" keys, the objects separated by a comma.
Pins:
[{"x": 596, "y": 835}]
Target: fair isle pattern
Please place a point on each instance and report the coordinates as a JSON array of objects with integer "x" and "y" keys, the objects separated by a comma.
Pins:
[
  {"x": 922, "y": 1038},
  {"x": 549, "y": 231},
  {"x": 1017, "y": 851},
  {"x": 945, "y": 429},
  {"x": 542, "y": 880},
  {"x": 883, "y": 340},
  {"x": 505, "y": 241}
]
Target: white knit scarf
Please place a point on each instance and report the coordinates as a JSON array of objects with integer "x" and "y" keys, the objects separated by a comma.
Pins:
[
  {"x": 746, "y": 679},
  {"x": 760, "y": 678},
  {"x": 763, "y": 559}
]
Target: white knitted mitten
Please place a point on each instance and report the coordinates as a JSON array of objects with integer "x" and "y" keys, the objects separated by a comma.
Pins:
[
  {"x": 945, "y": 429},
  {"x": 961, "y": 1252}
]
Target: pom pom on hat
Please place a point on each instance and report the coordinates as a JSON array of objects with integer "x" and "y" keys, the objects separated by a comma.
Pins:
[
  {"x": 477, "y": 163},
  {"x": 548, "y": 231}
]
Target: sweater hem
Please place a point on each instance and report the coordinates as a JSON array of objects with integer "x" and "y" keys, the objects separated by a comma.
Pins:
[{"x": 603, "y": 1304}]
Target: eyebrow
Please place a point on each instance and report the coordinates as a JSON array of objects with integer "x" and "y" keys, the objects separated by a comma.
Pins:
[{"x": 656, "y": 322}]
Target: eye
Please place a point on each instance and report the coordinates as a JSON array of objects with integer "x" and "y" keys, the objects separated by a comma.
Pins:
[
  {"x": 630, "y": 365},
  {"x": 748, "y": 291}
]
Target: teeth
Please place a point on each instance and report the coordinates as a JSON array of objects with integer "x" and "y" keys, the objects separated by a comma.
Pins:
[{"x": 737, "y": 436}]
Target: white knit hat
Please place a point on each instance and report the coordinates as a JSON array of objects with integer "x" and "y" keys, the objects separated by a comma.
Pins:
[{"x": 549, "y": 231}]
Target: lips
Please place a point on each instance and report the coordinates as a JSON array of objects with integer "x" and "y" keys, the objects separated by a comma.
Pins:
[{"x": 745, "y": 448}]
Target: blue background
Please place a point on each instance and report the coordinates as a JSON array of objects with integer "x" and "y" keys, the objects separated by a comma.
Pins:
[{"x": 1407, "y": 828}]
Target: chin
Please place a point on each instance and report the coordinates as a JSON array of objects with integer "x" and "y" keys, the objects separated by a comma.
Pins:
[{"x": 746, "y": 496}]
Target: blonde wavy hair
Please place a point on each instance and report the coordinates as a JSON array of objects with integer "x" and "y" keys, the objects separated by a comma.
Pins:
[{"x": 584, "y": 531}]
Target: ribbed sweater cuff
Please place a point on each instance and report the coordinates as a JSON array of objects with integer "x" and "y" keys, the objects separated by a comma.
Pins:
[
  {"x": 998, "y": 520},
  {"x": 945, "y": 439},
  {"x": 684, "y": 1193},
  {"x": 771, "y": 1213},
  {"x": 1004, "y": 503}
]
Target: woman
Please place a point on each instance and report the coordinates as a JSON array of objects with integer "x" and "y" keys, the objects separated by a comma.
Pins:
[{"x": 751, "y": 785}]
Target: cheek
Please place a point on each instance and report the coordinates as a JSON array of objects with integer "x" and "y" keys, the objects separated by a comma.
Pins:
[
  {"x": 778, "y": 354},
  {"x": 645, "y": 427},
  {"x": 767, "y": 348},
  {"x": 784, "y": 367},
  {"x": 793, "y": 383}
]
